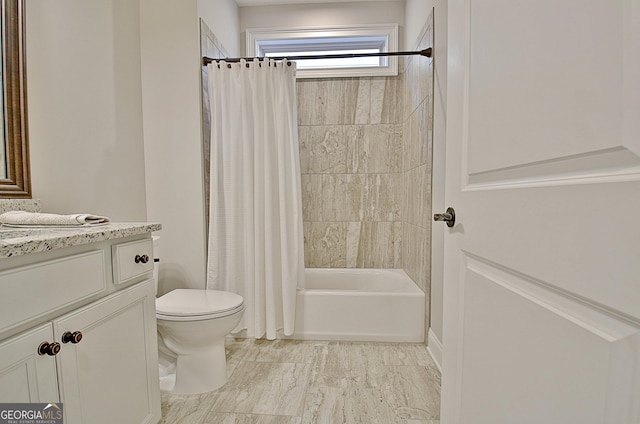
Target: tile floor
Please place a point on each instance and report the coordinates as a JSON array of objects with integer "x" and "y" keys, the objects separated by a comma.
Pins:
[{"x": 306, "y": 382}]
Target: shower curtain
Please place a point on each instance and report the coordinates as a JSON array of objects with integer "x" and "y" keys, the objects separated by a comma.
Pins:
[{"x": 255, "y": 219}]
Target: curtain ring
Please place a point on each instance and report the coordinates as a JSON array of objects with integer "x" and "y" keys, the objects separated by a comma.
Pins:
[
  {"x": 247, "y": 65},
  {"x": 229, "y": 65},
  {"x": 288, "y": 63}
]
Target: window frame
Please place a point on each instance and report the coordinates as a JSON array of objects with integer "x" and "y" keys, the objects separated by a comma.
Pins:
[{"x": 259, "y": 41}]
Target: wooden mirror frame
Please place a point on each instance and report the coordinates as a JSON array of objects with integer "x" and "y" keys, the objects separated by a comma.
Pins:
[{"x": 17, "y": 183}]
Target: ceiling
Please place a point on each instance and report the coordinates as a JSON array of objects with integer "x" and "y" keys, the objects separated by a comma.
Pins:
[{"x": 242, "y": 3}]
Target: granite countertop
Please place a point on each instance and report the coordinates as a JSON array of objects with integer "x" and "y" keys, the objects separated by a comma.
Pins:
[{"x": 21, "y": 241}]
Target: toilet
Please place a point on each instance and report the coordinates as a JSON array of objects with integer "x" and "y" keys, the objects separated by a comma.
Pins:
[{"x": 192, "y": 326}]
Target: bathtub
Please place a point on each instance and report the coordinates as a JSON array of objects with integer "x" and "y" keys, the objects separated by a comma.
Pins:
[{"x": 357, "y": 304}]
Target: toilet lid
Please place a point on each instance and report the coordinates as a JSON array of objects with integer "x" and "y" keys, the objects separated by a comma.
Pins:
[{"x": 198, "y": 303}]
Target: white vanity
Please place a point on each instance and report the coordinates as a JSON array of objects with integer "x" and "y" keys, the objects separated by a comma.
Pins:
[{"x": 78, "y": 323}]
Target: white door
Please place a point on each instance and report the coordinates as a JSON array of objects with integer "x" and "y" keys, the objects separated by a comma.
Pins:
[{"x": 542, "y": 268}]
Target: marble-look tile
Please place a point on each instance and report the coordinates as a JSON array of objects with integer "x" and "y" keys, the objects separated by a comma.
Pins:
[
  {"x": 354, "y": 233},
  {"x": 363, "y": 102},
  {"x": 413, "y": 392},
  {"x": 322, "y": 149},
  {"x": 364, "y": 382},
  {"x": 328, "y": 101},
  {"x": 328, "y": 405},
  {"x": 416, "y": 254},
  {"x": 398, "y": 354},
  {"x": 351, "y": 197},
  {"x": 230, "y": 418},
  {"x": 389, "y": 354},
  {"x": 325, "y": 244},
  {"x": 373, "y": 148},
  {"x": 379, "y": 100},
  {"x": 289, "y": 351},
  {"x": 344, "y": 101},
  {"x": 388, "y": 97},
  {"x": 333, "y": 197},
  {"x": 416, "y": 138},
  {"x": 380, "y": 245},
  {"x": 416, "y": 207},
  {"x": 185, "y": 409},
  {"x": 384, "y": 197},
  {"x": 367, "y": 137},
  {"x": 264, "y": 388},
  {"x": 419, "y": 70},
  {"x": 236, "y": 349},
  {"x": 352, "y": 382},
  {"x": 349, "y": 364},
  {"x": 413, "y": 93}
]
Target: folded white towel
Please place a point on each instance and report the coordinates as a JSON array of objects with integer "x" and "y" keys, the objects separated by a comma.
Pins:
[{"x": 23, "y": 218}]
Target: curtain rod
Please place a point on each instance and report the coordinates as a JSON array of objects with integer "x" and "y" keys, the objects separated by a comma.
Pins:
[{"x": 426, "y": 53}]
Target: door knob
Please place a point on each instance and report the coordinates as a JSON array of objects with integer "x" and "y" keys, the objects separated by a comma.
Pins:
[{"x": 449, "y": 217}]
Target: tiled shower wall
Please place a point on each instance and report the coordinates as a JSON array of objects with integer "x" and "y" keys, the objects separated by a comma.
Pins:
[
  {"x": 350, "y": 132},
  {"x": 417, "y": 160},
  {"x": 211, "y": 47},
  {"x": 365, "y": 154}
]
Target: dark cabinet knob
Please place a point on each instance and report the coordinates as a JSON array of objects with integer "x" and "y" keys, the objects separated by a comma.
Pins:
[
  {"x": 51, "y": 349},
  {"x": 69, "y": 337},
  {"x": 141, "y": 259}
]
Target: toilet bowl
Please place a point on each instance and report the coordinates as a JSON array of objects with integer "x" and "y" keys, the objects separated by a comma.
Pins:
[{"x": 192, "y": 325}]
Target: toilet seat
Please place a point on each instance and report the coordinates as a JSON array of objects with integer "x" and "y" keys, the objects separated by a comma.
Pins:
[{"x": 197, "y": 304}]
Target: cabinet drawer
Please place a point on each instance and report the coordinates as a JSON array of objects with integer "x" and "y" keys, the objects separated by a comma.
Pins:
[
  {"x": 36, "y": 290},
  {"x": 132, "y": 260}
]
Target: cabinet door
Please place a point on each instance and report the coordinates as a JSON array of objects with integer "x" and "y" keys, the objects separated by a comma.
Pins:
[
  {"x": 111, "y": 375},
  {"x": 25, "y": 376}
]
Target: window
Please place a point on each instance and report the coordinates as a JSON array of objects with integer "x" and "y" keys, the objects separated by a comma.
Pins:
[{"x": 329, "y": 40}]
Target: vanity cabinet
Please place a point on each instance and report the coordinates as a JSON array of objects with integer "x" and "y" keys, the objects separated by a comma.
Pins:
[{"x": 100, "y": 353}]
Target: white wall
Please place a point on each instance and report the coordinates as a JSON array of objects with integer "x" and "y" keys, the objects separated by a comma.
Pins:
[
  {"x": 416, "y": 13},
  {"x": 84, "y": 107},
  {"x": 307, "y": 15},
  {"x": 171, "y": 75},
  {"x": 222, "y": 17},
  {"x": 171, "y": 113}
]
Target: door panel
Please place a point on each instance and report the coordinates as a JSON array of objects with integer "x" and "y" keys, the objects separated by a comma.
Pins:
[
  {"x": 111, "y": 375},
  {"x": 546, "y": 348},
  {"x": 542, "y": 277},
  {"x": 25, "y": 376},
  {"x": 573, "y": 60}
]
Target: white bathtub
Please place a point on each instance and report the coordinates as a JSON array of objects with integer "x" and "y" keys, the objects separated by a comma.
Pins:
[{"x": 360, "y": 305}]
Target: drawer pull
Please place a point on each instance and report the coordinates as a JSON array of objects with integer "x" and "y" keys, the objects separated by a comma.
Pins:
[
  {"x": 69, "y": 337},
  {"x": 141, "y": 259},
  {"x": 50, "y": 349}
]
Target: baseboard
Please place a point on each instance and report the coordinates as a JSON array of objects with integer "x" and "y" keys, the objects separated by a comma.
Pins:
[{"x": 434, "y": 346}]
